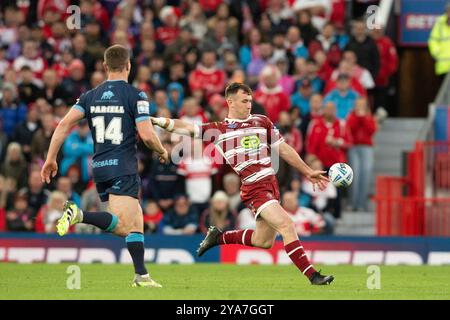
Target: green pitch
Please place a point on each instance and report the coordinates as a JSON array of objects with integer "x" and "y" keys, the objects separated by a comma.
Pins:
[{"x": 214, "y": 281}]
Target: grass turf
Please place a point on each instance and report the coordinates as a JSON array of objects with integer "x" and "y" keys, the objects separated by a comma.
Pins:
[{"x": 215, "y": 281}]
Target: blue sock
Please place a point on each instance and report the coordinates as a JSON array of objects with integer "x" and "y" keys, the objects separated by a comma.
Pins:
[
  {"x": 103, "y": 220},
  {"x": 135, "y": 245}
]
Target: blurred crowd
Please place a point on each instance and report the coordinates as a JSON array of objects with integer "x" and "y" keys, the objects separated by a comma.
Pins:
[{"x": 317, "y": 73}]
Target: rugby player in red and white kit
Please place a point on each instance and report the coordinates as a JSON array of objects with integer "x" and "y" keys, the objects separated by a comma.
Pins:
[{"x": 247, "y": 141}]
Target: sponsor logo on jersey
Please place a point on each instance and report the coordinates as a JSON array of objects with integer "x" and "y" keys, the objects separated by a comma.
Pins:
[
  {"x": 143, "y": 107},
  {"x": 232, "y": 126},
  {"x": 107, "y": 95},
  {"x": 250, "y": 142},
  {"x": 142, "y": 95}
]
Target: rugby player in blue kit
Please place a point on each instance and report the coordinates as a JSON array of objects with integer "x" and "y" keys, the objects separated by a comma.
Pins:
[{"x": 115, "y": 110}]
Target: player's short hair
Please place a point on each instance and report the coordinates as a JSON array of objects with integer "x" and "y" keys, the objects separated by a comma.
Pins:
[
  {"x": 234, "y": 87},
  {"x": 116, "y": 58}
]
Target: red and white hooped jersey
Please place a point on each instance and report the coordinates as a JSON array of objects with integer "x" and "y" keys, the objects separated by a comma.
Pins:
[{"x": 246, "y": 145}]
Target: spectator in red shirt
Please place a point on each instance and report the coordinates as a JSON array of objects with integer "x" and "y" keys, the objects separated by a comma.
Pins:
[
  {"x": 388, "y": 66},
  {"x": 327, "y": 137},
  {"x": 206, "y": 77},
  {"x": 361, "y": 127},
  {"x": 153, "y": 216},
  {"x": 169, "y": 31},
  {"x": 326, "y": 42},
  {"x": 293, "y": 137},
  {"x": 270, "y": 94},
  {"x": 30, "y": 57}
]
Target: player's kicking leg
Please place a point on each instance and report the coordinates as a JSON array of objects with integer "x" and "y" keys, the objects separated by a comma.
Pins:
[{"x": 272, "y": 219}]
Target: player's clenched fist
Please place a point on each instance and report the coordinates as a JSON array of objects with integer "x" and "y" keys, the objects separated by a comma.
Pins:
[
  {"x": 49, "y": 170},
  {"x": 164, "y": 157}
]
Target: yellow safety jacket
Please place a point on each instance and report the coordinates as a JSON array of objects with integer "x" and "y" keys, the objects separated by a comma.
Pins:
[{"x": 439, "y": 45}]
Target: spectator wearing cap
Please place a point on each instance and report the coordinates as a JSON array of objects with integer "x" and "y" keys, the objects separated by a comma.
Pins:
[
  {"x": 30, "y": 57},
  {"x": 168, "y": 32},
  {"x": 24, "y": 131},
  {"x": 164, "y": 181},
  {"x": 77, "y": 149},
  {"x": 12, "y": 112},
  {"x": 326, "y": 42},
  {"x": 29, "y": 88},
  {"x": 361, "y": 127},
  {"x": 20, "y": 217},
  {"x": 302, "y": 97},
  {"x": 365, "y": 48},
  {"x": 343, "y": 96},
  {"x": 14, "y": 166},
  {"x": 182, "y": 219},
  {"x": 270, "y": 94},
  {"x": 388, "y": 65},
  {"x": 439, "y": 43},
  {"x": 53, "y": 89},
  {"x": 218, "y": 214},
  {"x": 207, "y": 78}
]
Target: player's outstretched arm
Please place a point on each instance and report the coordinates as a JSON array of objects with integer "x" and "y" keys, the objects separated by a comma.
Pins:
[
  {"x": 50, "y": 167},
  {"x": 288, "y": 154},
  {"x": 151, "y": 140},
  {"x": 177, "y": 126}
]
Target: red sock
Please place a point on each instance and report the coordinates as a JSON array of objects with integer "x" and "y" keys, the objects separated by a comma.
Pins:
[
  {"x": 298, "y": 256},
  {"x": 237, "y": 237}
]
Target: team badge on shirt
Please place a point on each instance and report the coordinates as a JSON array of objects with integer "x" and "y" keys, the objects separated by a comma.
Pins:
[{"x": 143, "y": 107}]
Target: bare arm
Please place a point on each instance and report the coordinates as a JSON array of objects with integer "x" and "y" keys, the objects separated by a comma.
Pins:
[
  {"x": 150, "y": 138},
  {"x": 50, "y": 167},
  {"x": 288, "y": 154},
  {"x": 177, "y": 126}
]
